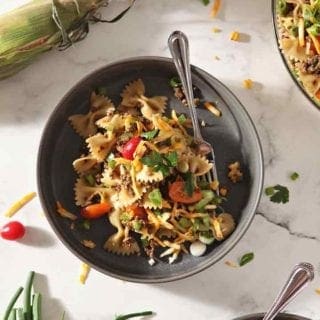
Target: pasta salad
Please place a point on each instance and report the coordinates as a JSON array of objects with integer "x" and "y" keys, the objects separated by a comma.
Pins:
[{"x": 142, "y": 171}]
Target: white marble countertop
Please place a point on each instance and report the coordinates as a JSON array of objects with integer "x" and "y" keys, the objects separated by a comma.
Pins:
[{"x": 289, "y": 127}]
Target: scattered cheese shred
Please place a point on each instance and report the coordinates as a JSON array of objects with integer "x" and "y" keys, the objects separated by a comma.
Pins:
[
  {"x": 216, "y": 30},
  {"x": 88, "y": 243},
  {"x": 231, "y": 264},
  {"x": 215, "y": 8},
  {"x": 214, "y": 185},
  {"x": 318, "y": 291},
  {"x": 209, "y": 106},
  {"x": 19, "y": 204},
  {"x": 64, "y": 213},
  {"x": 216, "y": 58},
  {"x": 247, "y": 83},
  {"x": 84, "y": 273},
  {"x": 235, "y": 36}
]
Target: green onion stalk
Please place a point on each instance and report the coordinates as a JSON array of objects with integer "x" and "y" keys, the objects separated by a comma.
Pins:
[{"x": 36, "y": 26}]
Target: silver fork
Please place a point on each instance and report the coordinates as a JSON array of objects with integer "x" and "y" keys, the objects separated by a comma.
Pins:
[{"x": 179, "y": 48}]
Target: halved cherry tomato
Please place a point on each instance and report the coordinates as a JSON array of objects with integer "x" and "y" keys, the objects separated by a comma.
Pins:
[
  {"x": 130, "y": 147},
  {"x": 137, "y": 211},
  {"x": 95, "y": 211},
  {"x": 177, "y": 193},
  {"x": 13, "y": 230}
]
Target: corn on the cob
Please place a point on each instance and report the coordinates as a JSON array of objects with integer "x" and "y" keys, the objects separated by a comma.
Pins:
[{"x": 39, "y": 25}]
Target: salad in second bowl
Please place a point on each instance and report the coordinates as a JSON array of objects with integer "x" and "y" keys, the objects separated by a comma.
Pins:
[
  {"x": 299, "y": 39},
  {"x": 142, "y": 170}
]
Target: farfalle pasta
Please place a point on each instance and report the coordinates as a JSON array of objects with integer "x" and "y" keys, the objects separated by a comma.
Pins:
[{"x": 143, "y": 171}]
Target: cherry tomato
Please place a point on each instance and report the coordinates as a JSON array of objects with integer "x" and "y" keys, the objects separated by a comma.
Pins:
[
  {"x": 12, "y": 231},
  {"x": 177, "y": 193},
  {"x": 130, "y": 147},
  {"x": 137, "y": 211},
  {"x": 95, "y": 211}
]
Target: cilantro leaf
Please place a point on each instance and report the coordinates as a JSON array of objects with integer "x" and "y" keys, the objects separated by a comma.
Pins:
[
  {"x": 155, "y": 197},
  {"x": 175, "y": 82},
  {"x": 189, "y": 183},
  {"x": 150, "y": 134},
  {"x": 205, "y": 2},
  {"x": 246, "y": 258},
  {"x": 294, "y": 176},
  {"x": 172, "y": 157},
  {"x": 278, "y": 193}
]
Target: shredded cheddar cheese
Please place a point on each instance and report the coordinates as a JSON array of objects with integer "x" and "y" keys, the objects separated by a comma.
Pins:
[
  {"x": 231, "y": 264},
  {"x": 247, "y": 83},
  {"x": 19, "y": 204},
  {"x": 209, "y": 106},
  {"x": 235, "y": 36},
  {"x": 84, "y": 273},
  {"x": 64, "y": 213},
  {"x": 216, "y": 30},
  {"x": 215, "y": 8},
  {"x": 318, "y": 291}
]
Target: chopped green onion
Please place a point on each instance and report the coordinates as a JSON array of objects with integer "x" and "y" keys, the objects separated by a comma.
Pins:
[
  {"x": 207, "y": 196},
  {"x": 90, "y": 180},
  {"x": 314, "y": 29},
  {"x": 189, "y": 183},
  {"x": 206, "y": 237},
  {"x": 86, "y": 224},
  {"x": 246, "y": 258},
  {"x": 175, "y": 82},
  {"x": 199, "y": 225},
  {"x": 136, "y": 224},
  {"x": 269, "y": 191},
  {"x": 144, "y": 242},
  {"x": 150, "y": 134},
  {"x": 155, "y": 197},
  {"x": 182, "y": 118},
  {"x": 134, "y": 315}
]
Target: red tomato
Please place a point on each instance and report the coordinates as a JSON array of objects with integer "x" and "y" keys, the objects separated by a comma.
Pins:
[
  {"x": 12, "y": 231},
  {"x": 130, "y": 147},
  {"x": 177, "y": 193},
  {"x": 137, "y": 211}
]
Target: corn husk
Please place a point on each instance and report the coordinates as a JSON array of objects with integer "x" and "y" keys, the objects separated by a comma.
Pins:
[{"x": 40, "y": 25}]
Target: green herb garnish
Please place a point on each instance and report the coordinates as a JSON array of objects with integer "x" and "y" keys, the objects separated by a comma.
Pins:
[
  {"x": 314, "y": 29},
  {"x": 185, "y": 223},
  {"x": 86, "y": 224},
  {"x": 278, "y": 194},
  {"x": 282, "y": 7},
  {"x": 150, "y": 134},
  {"x": 246, "y": 258},
  {"x": 207, "y": 196},
  {"x": 175, "y": 82},
  {"x": 205, "y": 2},
  {"x": 160, "y": 162},
  {"x": 144, "y": 242},
  {"x": 294, "y": 176},
  {"x": 155, "y": 197},
  {"x": 134, "y": 315}
]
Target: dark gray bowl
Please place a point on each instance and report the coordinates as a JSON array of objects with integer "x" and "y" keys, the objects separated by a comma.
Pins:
[
  {"x": 233, "y": 136},
  {"x": 282, "y": 316}
]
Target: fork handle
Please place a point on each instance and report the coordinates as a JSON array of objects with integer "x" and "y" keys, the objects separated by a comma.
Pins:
[{"x": 179, "y": 48}]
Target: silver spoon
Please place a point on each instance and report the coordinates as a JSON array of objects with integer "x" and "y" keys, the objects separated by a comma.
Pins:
[
  {"x": 179, "y": 48},
  {"x": 301, "y": 275}
]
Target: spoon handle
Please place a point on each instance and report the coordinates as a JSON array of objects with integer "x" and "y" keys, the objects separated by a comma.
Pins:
[
  {"x": 179, "y": 48},
  {"x": 299, "y": 278}
]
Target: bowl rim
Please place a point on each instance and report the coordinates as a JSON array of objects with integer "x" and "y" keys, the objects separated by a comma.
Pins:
[
  {"x": 295, "y": 80},
  {"x": 289, "y": 316},
  {"x": 175, "y": 277}
]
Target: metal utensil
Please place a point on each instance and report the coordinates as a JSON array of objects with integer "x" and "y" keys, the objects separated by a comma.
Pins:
[
  {"x": 179, "y": 48},
  {"x": 301, "y": 275}
]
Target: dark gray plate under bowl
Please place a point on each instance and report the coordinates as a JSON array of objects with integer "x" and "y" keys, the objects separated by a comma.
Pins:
[
  {"x": 233, "y": 137},
  {"x": 282, "y": 316}
]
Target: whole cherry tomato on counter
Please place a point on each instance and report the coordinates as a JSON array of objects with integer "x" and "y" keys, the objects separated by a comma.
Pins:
[
  {"x": 13, "y": 230},
  {"x": 130, "y": 147}
]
